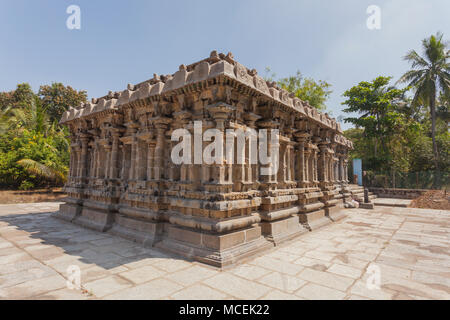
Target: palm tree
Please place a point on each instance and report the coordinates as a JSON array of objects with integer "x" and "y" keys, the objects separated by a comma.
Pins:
[
  {"x": 31, "y": 117},
  {"x": 47, "y": 172},
  {"x": 4, "y": 119},
  {"x": 430, "y": 74}
]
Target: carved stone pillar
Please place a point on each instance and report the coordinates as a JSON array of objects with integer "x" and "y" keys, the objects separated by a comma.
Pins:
[
  {"x": 84, "y": 156},
  {"x": 73, "y": 163},
  {"x": 300, "y": 163},
  {"x": 220, "y": 113},
  {"x": 114, "y": 161},
  {"x": 107, "y": 169},
  {"x": 269, "y": 180},
  {"x": 252, "y": 175},
  {"x": 322, "y": 167},
  {"x": 161, "y": 127},
  {"x": 151, "y": 160}
]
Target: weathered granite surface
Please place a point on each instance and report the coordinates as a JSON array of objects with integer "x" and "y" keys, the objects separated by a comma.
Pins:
[{"x": 122, "y": 179}]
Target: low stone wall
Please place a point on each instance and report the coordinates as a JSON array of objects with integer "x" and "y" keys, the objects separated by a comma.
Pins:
[{"x": 398, "y": 193}]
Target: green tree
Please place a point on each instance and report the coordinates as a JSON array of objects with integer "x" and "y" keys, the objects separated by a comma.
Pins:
[
  {"x": 430, "y": 74},
  {"x": 34, "y": 150},
  {"x": 307, "y": 89},
  {"x": 376, "y": 105},
  {"x": 31, "y": 117},
  {"x": 57, "y": 98},
  {"x": 21, "y": 96},
  {"x": 31, "y": 159}
]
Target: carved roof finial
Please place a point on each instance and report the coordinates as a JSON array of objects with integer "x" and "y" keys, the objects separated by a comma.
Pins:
[{"x": 214, "y": 56}]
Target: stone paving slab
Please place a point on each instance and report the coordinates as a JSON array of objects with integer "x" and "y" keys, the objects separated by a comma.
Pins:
[
  {"x": 385, "y": 253},
  {"x": 391, "y": 202}
]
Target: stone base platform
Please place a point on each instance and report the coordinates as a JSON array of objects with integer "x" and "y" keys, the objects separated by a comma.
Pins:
[
  {"x": 314, "y": 220},
  {"x": 217, "y": 250},
  {"x": 282, "y": 230},
  {"x": 68, "y": 211},
  {"x": 336, "y": 212},
  {"x": 96, "y": 216},
  {"x": 140, "y": 231}
]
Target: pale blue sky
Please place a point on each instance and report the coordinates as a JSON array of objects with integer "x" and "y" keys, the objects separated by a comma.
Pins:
[{"x": 124, "y": 42}]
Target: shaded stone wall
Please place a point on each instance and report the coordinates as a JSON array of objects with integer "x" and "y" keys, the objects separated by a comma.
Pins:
[
  {"x": 398, "y": 193},
  {"x": 122, "y": 179}
]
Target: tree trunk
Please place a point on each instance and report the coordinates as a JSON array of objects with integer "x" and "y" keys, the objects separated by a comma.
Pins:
[
  {"x": 375, "y": 147},
  {"x": 433, "y": 137}
]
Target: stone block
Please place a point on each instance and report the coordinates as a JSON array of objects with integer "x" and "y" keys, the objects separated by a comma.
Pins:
[
  {"x": 219, "y": 250},
  {"x": 336, "y": 213},
  {"x": 95, "y": 219},
  {"x": 68, "y": 212},
  {"x": 144, "y": 232},
  {"x": 282, "y": 230},
  {"x": 185, "y": 235},
  {"x": 225, "y": 241},
  {"x": 314, "y": 220},
  {"x": 369, "y": 205}
]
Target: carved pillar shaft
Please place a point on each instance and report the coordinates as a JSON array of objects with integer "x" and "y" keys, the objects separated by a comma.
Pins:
[
  {"x": 161, "y": 127},
  {"x": 94, "y": 162},
  {"x": 150, "y": 160},
  {"x": 307, "y": 170},
  {"x": 132, "y": 171},
  {"x": 114, "y": 161},
  {"x": 311, "y": 174},
  {"x": 322, "y": 164},
  {"x": 107, "y": 169},
  {"x": 78, "y": 162},
  {"x": 301, "y": 162},
  {"x": 159, "y": 153},
  {"x": 84, "y": 157},
  {"x": 72, "y": 162}
]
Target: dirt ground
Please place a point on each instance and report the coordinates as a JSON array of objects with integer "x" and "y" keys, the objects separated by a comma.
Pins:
[
  {"x": 433, "y": 199},
  {"x": 31, "y": 196}
]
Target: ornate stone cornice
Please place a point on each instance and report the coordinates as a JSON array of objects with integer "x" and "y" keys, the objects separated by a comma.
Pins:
[{"x": 218, "y": 68}]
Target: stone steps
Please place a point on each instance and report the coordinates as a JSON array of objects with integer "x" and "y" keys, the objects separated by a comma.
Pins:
[{"x": 358, "y": 193}]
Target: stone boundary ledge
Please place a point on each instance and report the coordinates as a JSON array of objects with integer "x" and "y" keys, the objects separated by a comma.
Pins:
[{"x": 398, "y": 193}]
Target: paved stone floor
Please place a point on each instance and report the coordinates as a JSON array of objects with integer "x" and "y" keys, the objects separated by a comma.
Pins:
[{"x": 407, "y": 249}]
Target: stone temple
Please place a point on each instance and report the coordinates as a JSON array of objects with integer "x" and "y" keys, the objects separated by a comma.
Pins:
[{"x": 122, "y": 179}]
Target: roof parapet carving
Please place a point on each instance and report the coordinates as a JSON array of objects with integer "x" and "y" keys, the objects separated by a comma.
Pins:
[{"x": 218, "y": 64}]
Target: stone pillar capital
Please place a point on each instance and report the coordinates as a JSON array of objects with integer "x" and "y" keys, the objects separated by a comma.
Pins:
[
  {"x": 162, "y": 122},
  {"x": 250, "y": 118}
]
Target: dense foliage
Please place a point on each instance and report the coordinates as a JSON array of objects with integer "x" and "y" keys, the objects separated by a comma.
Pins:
[
  {"x": 401, "y": 136},
  {"x": 306, "y": 89},
  {"x": 34, "y": 150}
]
